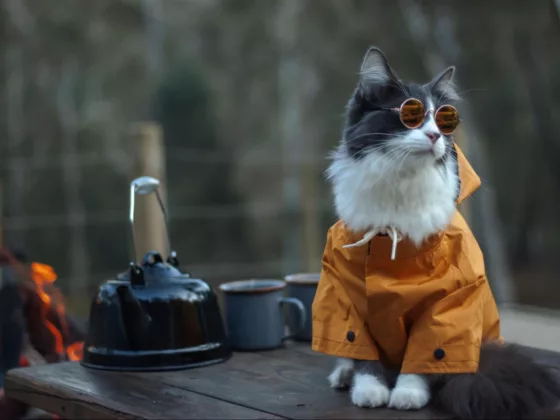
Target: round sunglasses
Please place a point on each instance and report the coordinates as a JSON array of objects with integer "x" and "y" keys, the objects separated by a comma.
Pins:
[{"x": 413, "y": 113}]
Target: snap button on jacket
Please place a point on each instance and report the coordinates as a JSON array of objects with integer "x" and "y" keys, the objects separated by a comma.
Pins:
[{"x": 427, "y": 311}]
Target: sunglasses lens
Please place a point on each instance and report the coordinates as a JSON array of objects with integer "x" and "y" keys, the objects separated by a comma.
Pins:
[
  {"x": 447, "y": 119},
  {"x": 412, "y": 113}
]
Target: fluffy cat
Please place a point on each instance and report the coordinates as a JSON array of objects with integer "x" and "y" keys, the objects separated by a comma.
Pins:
[{"x": 385, "y": 174}]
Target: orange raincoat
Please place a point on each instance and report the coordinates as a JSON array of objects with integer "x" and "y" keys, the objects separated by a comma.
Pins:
[{"x": 428, "y": 311}]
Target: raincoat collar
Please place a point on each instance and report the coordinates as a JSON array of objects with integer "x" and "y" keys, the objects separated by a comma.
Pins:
[{"x": 382, "y": 248}]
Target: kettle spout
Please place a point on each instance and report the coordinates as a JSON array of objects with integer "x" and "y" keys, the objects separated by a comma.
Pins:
[{"x": 135, "y": 321}]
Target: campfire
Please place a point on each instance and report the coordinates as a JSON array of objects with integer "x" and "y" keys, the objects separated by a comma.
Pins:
[
  {"x": 35, "y": 328},
  {"x": 52, "y": 319}
]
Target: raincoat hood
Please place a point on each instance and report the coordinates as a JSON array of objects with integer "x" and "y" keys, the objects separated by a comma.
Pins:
[
  {"x": 469, "y": 180},
  {"x": 428, "y": 310}
]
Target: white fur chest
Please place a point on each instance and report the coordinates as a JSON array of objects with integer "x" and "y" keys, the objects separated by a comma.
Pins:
[{"x": 369, "y": 194}]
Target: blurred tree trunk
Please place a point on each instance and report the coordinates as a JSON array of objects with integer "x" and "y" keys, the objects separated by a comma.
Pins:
[
  {"x": 297, "y": 86},
  {"x": 490, "y": 233},
  {"x": 15, "y": 120},
  {"x": 154, "y": 33},
  {"x": 69, "y": 119},
  {"x": 529, "y": 207},
  {"x": 544, "y": 150},
  {"x": 290, "y": 125}
]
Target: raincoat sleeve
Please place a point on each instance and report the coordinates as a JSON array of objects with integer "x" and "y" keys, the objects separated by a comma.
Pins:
[
  {"x": 340, "y": 304},
  {"x": 448, "y": 336}
]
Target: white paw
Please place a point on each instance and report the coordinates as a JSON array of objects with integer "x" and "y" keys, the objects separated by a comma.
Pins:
[
  {"x": 341, "y": 376},
  {"x": 410, "y": 393},
  {"x": 368, "y": 391}
]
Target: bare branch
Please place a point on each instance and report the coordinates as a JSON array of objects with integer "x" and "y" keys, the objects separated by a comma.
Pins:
[{"x": 20, "y": 16}]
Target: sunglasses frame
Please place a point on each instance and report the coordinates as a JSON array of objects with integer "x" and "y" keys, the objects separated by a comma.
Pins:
[{"x": 400, "y": 108}]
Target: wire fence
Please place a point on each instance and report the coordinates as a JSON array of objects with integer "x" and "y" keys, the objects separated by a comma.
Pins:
[
  {"x": 269, "y": 210},
  {"x": 264, "y": 210},
  {"x": 186, "y": 155}
]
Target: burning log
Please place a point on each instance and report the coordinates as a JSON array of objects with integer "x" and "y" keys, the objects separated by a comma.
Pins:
[
  {"x": 48, "y": 324},
  {"x": 34, "y": 327},
  {"x": 54, "y": 334},
  {"x": 11, "y": 339}
]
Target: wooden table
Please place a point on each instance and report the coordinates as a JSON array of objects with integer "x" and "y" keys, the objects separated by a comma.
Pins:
[{"x": 283, "y": 383}]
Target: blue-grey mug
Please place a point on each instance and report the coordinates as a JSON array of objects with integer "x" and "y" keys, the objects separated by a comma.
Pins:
[
  {"x": 255, "y": 314},
  {"x": 303, "y": 287}
]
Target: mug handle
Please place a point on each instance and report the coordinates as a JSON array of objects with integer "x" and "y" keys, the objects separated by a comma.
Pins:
[{"x": 301, "y": 312}]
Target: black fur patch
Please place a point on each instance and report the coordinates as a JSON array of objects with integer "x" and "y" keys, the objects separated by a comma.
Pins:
[
  {"x": 376, "y": 368},
  {"x": 368, "y": 127}
]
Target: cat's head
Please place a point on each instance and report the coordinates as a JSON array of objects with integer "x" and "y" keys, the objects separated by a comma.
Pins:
[{"x": 373, "y": 125}]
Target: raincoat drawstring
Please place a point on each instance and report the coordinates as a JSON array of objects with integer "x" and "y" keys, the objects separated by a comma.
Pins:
[{"x": 395, "y": 236}]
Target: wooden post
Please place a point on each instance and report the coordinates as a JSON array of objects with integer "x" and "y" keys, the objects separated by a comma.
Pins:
[{"x": 149, "y": 160}]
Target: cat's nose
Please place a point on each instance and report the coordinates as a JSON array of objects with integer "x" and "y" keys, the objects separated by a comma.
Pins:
[{"x": 433, "y": 136}]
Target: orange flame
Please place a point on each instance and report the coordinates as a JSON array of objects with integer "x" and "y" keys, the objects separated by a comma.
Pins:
[{"x": 44, "y": 276}]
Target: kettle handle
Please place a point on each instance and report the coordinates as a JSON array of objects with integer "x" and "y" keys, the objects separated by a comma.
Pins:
[{"x": 145, "y": 185}]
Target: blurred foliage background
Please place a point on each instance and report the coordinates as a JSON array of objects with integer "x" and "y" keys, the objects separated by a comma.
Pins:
[{"x": 250, "y": 96}]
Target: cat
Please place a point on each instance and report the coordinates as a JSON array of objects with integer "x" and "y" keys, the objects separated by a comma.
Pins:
[{"x": 386, "y": 174}]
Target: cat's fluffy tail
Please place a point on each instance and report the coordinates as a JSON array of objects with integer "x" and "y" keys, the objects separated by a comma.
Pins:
[{"x": 509, "y": 384}]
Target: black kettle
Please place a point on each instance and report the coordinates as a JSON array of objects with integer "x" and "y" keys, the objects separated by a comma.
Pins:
[{"x": 153, "y": 316}]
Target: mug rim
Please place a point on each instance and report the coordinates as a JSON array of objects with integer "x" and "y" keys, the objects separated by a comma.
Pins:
[
  {"x": 303, "y": 278},
  {"x": 230, "y": 286}
]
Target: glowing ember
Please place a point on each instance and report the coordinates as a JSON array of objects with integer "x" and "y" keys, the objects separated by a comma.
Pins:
[{"x": 75, "y": 351}]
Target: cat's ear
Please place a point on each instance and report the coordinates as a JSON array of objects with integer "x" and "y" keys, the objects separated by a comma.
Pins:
[
  {"x": 376, "y": 70},
  {"x": 444, "y": 84}
]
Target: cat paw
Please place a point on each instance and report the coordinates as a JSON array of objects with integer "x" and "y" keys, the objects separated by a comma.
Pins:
[
  {"x": 408, "y": 398},
  {"x": 341, "y": 376},
  {"x": 410, "y": 393},
  {"x": 368, "y": 391}
]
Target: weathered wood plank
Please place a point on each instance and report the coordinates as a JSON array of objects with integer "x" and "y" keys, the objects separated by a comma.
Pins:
[
  {"x": 301, "y": 353},
  {"x": 290, "y": 385},
  {"x": 70, "y": 391},
  {"x": 282, "y": 383}
]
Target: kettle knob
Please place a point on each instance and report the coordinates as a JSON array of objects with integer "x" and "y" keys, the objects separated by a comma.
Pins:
[
  {"x": 173, "y": 260},
  {"x": 154, "y": 257},
  {"x": 151, "y": 258}
]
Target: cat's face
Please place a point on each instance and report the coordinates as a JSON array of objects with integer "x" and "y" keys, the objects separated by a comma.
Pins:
[{"x": 374, "y": 132}]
